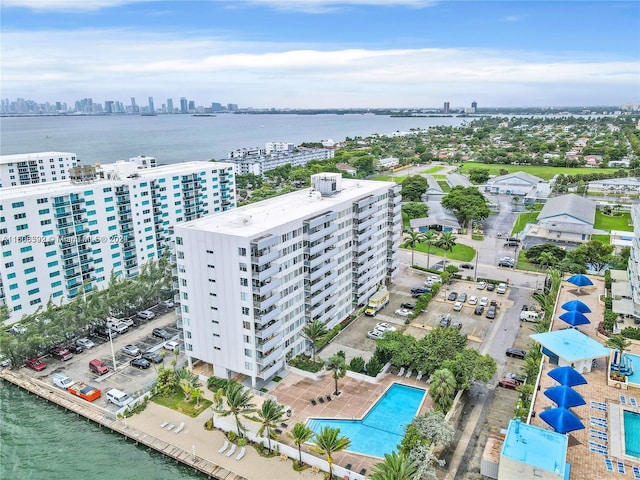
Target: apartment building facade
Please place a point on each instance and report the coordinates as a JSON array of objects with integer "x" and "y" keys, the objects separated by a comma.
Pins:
[
  {"x": 259, "y": 160},
  {"x": 251, "y": 279},
  {"x": 60, "y": 239},
  {"x": 30, "y": 168},
  {"x": 634, "y": 262}
]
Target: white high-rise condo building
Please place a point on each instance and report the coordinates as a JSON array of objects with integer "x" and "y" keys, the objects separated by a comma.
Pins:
[
  {"x": 634, "y": 263},
  {"x": 252, "y": 278},
  {"x": 59, "y": 239},
  {"x": 28, "y": 168}
]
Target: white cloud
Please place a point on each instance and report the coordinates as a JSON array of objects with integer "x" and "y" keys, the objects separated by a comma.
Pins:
[
  {"x": 118, "y": 64},
  {"x": 511, "y": 18}
]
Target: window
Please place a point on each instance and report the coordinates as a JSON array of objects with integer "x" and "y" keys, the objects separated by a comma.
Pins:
[
  {"x": 17, "y": 204},
  {"x": 27, "y": 260},
  {"x": 244, "y": 282},
  {"x": 242, "y": 251},
  {"x": 18, "y": 216},
  {"x": 243, "y": 267},
  {"x": 247, "y": 352},
  {"x": 25, "y": 249},
  {"x": 245, "y": 310}
]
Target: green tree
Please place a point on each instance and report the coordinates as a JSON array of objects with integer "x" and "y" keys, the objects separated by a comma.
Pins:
[
  {"x": 619, "y": 343},
  {"x": 415, "y": 210},
  {"x": 217, "y": 404},
  {"x": 269, "y": 416},
  {"x": 412, "y": 241},
  {"x": 469, "y": 365},
  {"x": 596, "y": 254},
  {"x": 429, "y": 237},
  {"x": 300, "y": 434},
  {"x": 313, "y": 332},
  {"x": 446, "y": 242},
  {"x": 338, "y": 366},
  {"x": 396, "y": 466},
  {"x": 467, "y": 203},
  {"x": 479, "y": 175},
  {"x": 443, "y": 388},
  {"x": 413, "y": 187},
  {"x": 327, "y": 442},
  {"x": 238, "y": 400}
]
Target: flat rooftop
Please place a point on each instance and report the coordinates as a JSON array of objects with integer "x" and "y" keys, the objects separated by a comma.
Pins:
[
  {"x": 260, "y": 217},
  {"x": 25, "y": 157},
  {"x": 536, "y": 446},
  {"x": 571, "y": 344}
]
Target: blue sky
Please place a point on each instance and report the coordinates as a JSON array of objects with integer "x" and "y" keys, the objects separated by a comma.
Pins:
[{"x": 323, "y": 53}]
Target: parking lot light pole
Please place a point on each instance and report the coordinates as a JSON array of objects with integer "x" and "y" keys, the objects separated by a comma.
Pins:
[
  {"x": 113, "y": 354},
  {"x": 476, "y": 267}
]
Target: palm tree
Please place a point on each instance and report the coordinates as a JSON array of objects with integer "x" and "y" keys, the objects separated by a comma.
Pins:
[
  {"x": 216, "y": 406},
  {"x": 338, "y": 366},
  {"x": 412, "y": 241},
  {"x": 327, "y": 442},
  {"x": 619, "y": 343},
  {"x": 300, "y": 434},
  {"x": 546, "y": 259},
  {"x": 196, "y": 394},
  {"x": 446, "y": 242},
  {"x": 269, "y": 416},
  {"x": 396, "y": 466},
  {"x": 313, "y": 332},
  {"x": 430, "y": 236},
  {"x": 443, "y": 388},
  {"x": 238, "y": 403}
]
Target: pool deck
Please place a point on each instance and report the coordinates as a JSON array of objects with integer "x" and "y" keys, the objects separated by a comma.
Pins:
[
  {"x": 585, "y": 464},
  {"x": 355, "y": 399}
]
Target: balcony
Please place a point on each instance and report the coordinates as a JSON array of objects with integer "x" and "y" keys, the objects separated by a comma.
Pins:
[
  {"x": 266, "y": 273},
  {"x": 365, "y": 213},
  {"x": 124, "y": 211},
  {"x": 396, "y": 209},
  {"x": 328, "y": 315},
  {"x": 316, "y": 274},
  {"x": 61, "y": 204},
  {"x": 269, "y": 331},
  {"x": 325, "y": 232},
  {"x": 317, "y": 221},
  {"x": 314, "y": 249},
  {"x": 267, "y": 287},
  {"x": 318, "y": 310},
  {"x": 364, "y": 246},
  {"x": 271, "y": 357},
  {"x": 361, "y": 227},
  {"x": 365, "y": 202},
  {"x": 270, "y": 343},
  {"x": 265, "y": 258},
  {"x": 271, "y": 370},
  {"x": 61, "y": 214},
  {"x": 265, "y": 318},
  {"x": 267, "y": 302},
  {"x": 77, "y": 201},
  {"x": 320, "y": 284},
  {"x": 123, "y": 201},
  {"x": 318, "y": 261},
  {"x": 68, "y": 265}
]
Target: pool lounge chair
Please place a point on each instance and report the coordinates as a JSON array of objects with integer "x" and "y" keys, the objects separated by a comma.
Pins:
[
  {"x": 171, "y": 427},
  {"x": 313, "y": 401},
  {"x": 633, "y": 401},
  {"x": 623, "y": 400},
  {"x": 608, "y": 464},
  {"x": 636, "y": 473},
  {"x": 363, "y": 471},
  {"x": 621, "y": 469},
  {"x": 409, "y": 373},
  {"x": 401, "y": 372},
  {"x": 232, "y": 450},
  {"x": 180, "y": 427},
  {"x": 241, "y": 454},
  {"x": 348, "y": 466},
  {"x": 419, "y": 376},
  {"x": 224, "y": 447},
  {"x": 321, "y": 400},
  {"x": 164, "y": 424}
]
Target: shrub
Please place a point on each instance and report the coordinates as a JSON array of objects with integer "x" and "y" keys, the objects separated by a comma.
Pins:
[
  {"x": 607, "y": 279},
  {"x": 277, "y": 379},
  {"x": 214, "y": 383},
  {"x": 603, "y": 331},
  {"x": 208, "y": 425},
  {"x": 608, "y": 303},
  {"x": 373, "y": 367},
  {"x": 306, "y": 363},
  {"x": 610, "y": 319},
  {"x": 357, "y": 364},
  {"x": 242, "y": 442},
  {"x": 231, "y": 436},
  {"x": 632, "y": 333}
]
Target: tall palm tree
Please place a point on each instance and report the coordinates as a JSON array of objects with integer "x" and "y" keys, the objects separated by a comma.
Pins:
[
  {"x": 269, "y": 416},
  {"x": 619, "y": 343},
  {"x": 300, "y": 434},
  {"x": 430, "y": 236},
  {"x": 327, "y": 442},
  {"x": 313, "y": 332},
  {"x": 238, "y": 401},
  {"x": 338, "y": 366},
  {"x": 446, "y": 242},
  {"x": 546, "y": 259},
  {"x": 216, "y": 406},
  {"x": 412, "y": 241},
  {"x": 443, "y": 388},
  {"x": 396, "y": 466}
]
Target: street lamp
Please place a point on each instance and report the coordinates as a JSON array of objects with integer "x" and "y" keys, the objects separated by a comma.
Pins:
[{"x": 113, "y": 354}]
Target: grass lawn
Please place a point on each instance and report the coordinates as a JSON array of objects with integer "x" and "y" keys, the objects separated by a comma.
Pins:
[
  {"x": 605, "y": 239},
  {"x": 523, "y": 264},
  {"x": 543, "y": 171},
  {"x": 523, "y": 219},
  {"x": 432, "y": 170},
  {"x": 444, "y": 186},
  {"x": 176, "y": 402},
  {"x": 619, "y": 222},
  {"x": 387, "y": 178},
  {"x": 462, "y": 253}
]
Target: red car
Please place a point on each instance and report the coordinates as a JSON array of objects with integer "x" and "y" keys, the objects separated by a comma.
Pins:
[
  {"x": 61, "y": 353},
  {"x": 507, "y": 382},
  {"x": 36, "y": 364}
]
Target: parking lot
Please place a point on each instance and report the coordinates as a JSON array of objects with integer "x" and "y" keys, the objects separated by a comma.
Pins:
[{"x": 124, "y": 377}]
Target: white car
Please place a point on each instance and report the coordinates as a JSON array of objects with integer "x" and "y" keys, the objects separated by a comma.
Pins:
[
  {"x": 403, "y": 312},
  {"x": 385, "y": 327},
  {"x": 132, "y": 350},
  {"x": 62, "y": 381},
  {"x": 484, "y": 301},
  {"x": 502, "y": 288},
  {"x": 375, "y": 334},
  {"x": 85, "y": 343},
  {"x": 457, "y": 306},
  {"x": 171, "y": 345},
  {"x": 472, "y": 300},
  {"x": 167, "y": 303},
  {"x": 146, "y": 315},
  {"x": 18, "y": 329},
  {"x": 482, "y": 285}
]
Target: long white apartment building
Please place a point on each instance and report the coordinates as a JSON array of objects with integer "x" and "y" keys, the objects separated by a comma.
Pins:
[
  {"x": 56, "y": 237},
  {"x": 29, "y": 168},
  {"x": 260, "y": 160},
  {"x": 634, "y": 262},
  {"x": 252, "y": 278}
]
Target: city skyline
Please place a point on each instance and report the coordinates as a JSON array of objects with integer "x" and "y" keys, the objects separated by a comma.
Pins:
[{"x": 323, "y": 53}]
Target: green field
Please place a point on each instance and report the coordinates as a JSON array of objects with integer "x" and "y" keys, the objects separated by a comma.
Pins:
[
  {"x": 523, "y": 219},
  {"x": 387, "y": 178},
  {"x": 605, "y": 239},
  {"x": 523, "y": 264},
  {"x": 444, "y": 186},
  {"x": 462, "y": 253},
  {"x": 432, "y": 170},
  {"x": 542, "y": 171},
  {"x": 620, "y": 222}
]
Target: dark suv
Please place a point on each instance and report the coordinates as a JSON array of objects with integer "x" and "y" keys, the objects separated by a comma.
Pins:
[
  {"x": 161, "y": 333},
  {"x": 516, "y": 353},
  {"x": 102, "y": 331},
  {"x": 505, "y": 263}
]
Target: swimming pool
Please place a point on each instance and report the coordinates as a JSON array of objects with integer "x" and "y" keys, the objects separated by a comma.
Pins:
[
  {"x": 634, "y": 362},
  {"x": 382, "y": 428},
  {"x": 631, "y": 433}
]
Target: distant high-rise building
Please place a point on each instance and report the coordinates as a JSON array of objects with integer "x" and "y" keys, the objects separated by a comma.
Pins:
[
  {"x": 216, "y": 107},
  {"x": 151, "y": 107},
  {"x": 184, "y": 105},
  {"x": 169, "y": 105},
  {"x": 232, "y": 107},
  {"x": 474, "y": 107},
  {"x": 192, "y": 106},
  {"x": 446, "y": 107},
  {"x": 134, "y": 107},
  {"x": 108, "y": 106}
]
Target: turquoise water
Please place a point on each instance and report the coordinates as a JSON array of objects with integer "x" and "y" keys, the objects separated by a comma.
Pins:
[
  {"x": 634, "y": 363},
  {"x": 632, "y": 433},
  {"x": 382, "y": 429}
]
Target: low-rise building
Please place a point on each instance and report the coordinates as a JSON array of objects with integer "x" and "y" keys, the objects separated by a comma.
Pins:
[
  {"x": 516, "y": 183},
  {"x": 567, "y": 218}
]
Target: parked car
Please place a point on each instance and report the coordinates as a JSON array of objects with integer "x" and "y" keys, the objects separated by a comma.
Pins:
[
  {"x": 481, "y": 285},
  {"x": 97, "y": 366},
  {"x": 462, "y": 297},
  {"x": 146, "y": 315},
  {"x": 105, "y": 332},
  {"x": 385, "y": 327},
  {"x": 375, "y": 334},
  {"x": 132, "y": 350},
  {"x": 484, "y": 301},
  {"x": 479, "y": 310},
  {"x": 473, "y": 300},
  {"x": 403, "y": 312},
  {"x": 61, "y": 353},
  {"x": 18, "y": 329},
  {"x": 152, "y": 357},
  {"x": 525, "y": 308},
  {"x": 516, "y": 353},
  {"x": 457, "y": 306},
  {"x": 505, "y": 263},
  {"x": 516, "y": 377},
  {"x": 457, "y": 325},
  {"x": 85, "y": 343},
  {"x": 452, "y": 296},
  {"x": 508, "y": 383},
  {"x": 171, "y": 345},
  {"x": 491, "y": 287},
  {"x": 445, "y": 321},
  {"x": 141, "y": 363},
  {"x": 4, "y": 361},
  {"x": 161, "y": 333},
  {"x": 62, "y": 380},
  {"x": 491, "y": 313},
  {"x": 167, "y": 304},
  {"x": 75, "y": 348},
  {"x": 420, "y": 290},
  {"x": 408, "y": 305},
  {"x": 467, "y": 266},
  {"x": 511, "y": 244},
  {"x": 502, "y": 288},
  {"x": 36, "y": 364}
]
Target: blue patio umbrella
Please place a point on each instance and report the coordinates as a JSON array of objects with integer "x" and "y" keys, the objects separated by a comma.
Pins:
[
  {"x": 576, "y": 306},
  {"x": 579, "y": 280},
  {"x": 574, "y": 318},
  {"x": 562, "y": 420},
  {"x": 564, "y": 396},
  {"x": 567, "y": 376}
]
